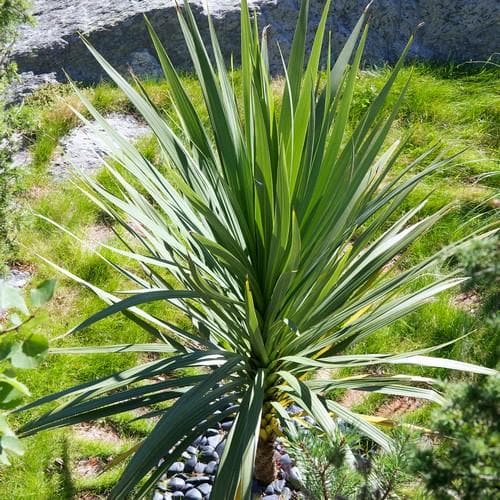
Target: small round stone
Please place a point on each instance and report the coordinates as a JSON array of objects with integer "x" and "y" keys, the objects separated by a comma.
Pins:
[
  {"x": 190, "y": 464},
  {"x": 294, "y": 409},
  {"x": 176, "y": 483},
  {"x": 227, "y": 425},
  {"x": 199, "y": 468},
  {"x": 198, "y": 441},
  {"x": 269, "y": 489},
  {"x": 285, "y": 459},
  {"x": 158, "y": 496},
  {"x": 220, "y": 448},
  {"x": 271, "y": 497},
  {"x": 204, "y": 488},
  {"x": 286, "y": 494},
  {"x": 278, "y": 485},
  {"x": 211, "y": 468},
  {"x": 214, "y": 441},
  {"x": 176, "y": 467},
  {"x": 177, "y": 494},
  {"x": 193, "y": 494},
  {"x": 294, "y": 477},
  {"x": 192, "y": 450}
]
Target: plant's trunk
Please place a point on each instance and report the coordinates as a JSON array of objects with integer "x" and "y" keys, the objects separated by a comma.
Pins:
[{"x": 265, "y": 464}]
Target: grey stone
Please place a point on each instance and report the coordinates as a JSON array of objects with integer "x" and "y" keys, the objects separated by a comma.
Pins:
[
  {"x": 454, "y": 31},
  {"x": 17, "y": 278},
  {"x": 193, "y": 494},
  {"x": 158, "y": 496},
  {"x": 285, "y": 459},
  {"x": 142, "y": 62},
  {"x": 25, "y": 84},
  {"x": 176, "y": 483},
  {"x": 82, "y": 150},
  {"x": 204, "y": 488},
  {"x": 294, "y": 477},
  {"x": 214, "y": 441},
  {"x": 286, "y": 493},
  {"x": 271, "y": 497},
  {"x": 190, "y": 464},
  {"x": 177, "y": 494},
  {"x": 220, "y": 448},
  {"x": 227, "y": 425},
  {"x": 199, "y": 468},
  {"x": 176, "y": 467},
  {"x": 211, "y": 467},
  {"x": 192, "y": 450}
]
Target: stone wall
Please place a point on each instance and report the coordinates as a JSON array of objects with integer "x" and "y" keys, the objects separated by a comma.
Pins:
[{"x": 454, "y": 30}]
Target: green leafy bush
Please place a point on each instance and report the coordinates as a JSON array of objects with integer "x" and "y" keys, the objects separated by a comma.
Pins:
[
  {"x": 465, "y": 464},
  {"x": 481, "y": 261},
  {"x": 17, "y": 353}
]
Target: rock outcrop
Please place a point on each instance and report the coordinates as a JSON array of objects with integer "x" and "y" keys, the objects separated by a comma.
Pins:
[{"x": 455, "y": 30}]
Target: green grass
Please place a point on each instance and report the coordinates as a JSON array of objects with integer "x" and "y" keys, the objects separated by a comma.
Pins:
[{"x": 459, "y": 109}]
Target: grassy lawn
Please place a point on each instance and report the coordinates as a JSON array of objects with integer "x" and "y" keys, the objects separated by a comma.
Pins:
[{"x": 458, "y": 109}]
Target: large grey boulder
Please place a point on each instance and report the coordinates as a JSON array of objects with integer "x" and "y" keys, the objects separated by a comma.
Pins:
[{"x": 455, "y": 30}]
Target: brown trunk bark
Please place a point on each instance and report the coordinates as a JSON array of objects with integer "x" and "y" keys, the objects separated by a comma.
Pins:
[{"x": 265, "y": 465}]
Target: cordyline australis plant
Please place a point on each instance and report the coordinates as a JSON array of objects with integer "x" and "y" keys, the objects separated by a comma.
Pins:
[{"x": 277, "y": 229}]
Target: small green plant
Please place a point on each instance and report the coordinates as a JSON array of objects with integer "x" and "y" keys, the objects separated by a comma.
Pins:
[
  {"x": 347, "y": 467},
  {"x": 465, "y": 463},
  {"x": 17, "y": 352},
  {"x": 480, "y": 260}
]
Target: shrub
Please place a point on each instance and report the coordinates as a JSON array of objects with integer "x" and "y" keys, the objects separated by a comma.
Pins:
[
  {"x": 465, "y": 464},
  {"x": 17, "y": 353}
]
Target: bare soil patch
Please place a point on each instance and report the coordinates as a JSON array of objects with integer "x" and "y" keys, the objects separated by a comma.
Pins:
[{"x": 398, "y": 406}]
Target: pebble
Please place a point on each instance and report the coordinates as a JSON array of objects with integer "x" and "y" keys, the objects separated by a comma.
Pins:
[
  {"x": 204, "y": 488},
  {"x": 226, "y": 426},
  {"x": 211, "y": 467},
  {"x": 191, "y": 463},
  {"x": 220, "y": 448},
  {"x": 214, "y": 441},
  {"x": 193, "y": 494},
  {"x": 199, "y": 468},
  {"x": 176, "y": 483},
  {"x": 192, "y": 477},
  {"x": 294, "y": 477},
  {"x": 176, "y": 467}
]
